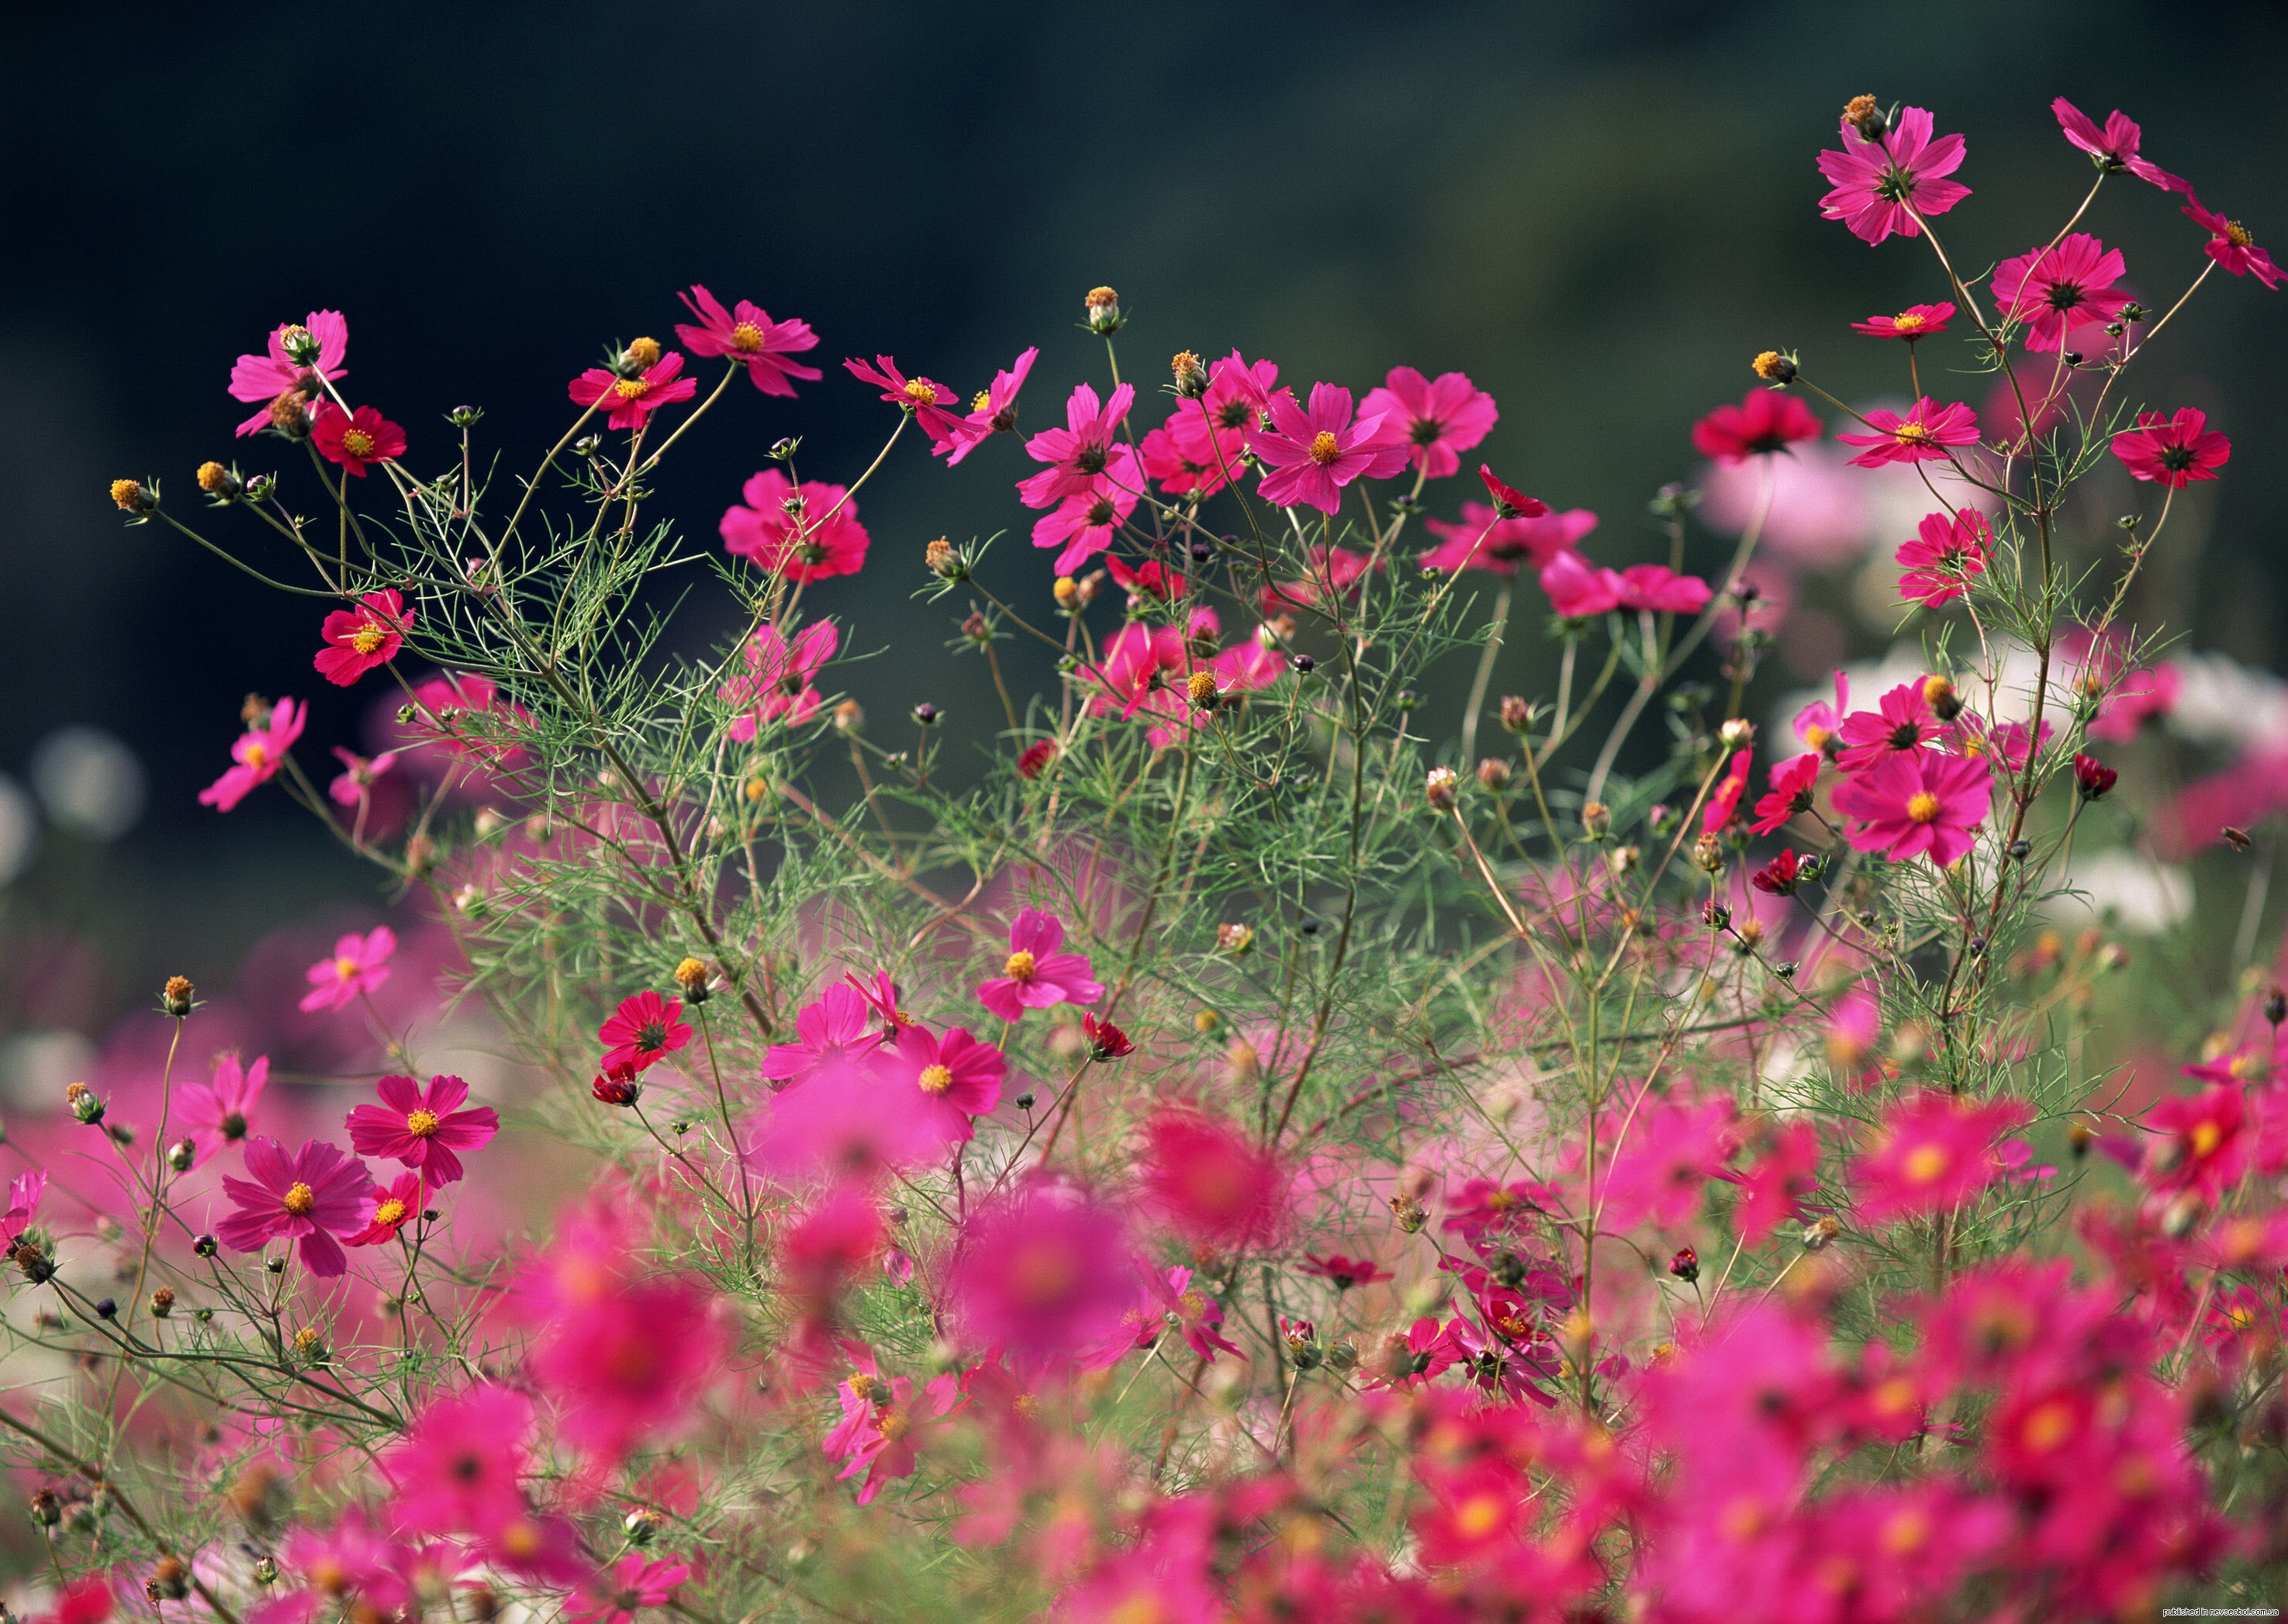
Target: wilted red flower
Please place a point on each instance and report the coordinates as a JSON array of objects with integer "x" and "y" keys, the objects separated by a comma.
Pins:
[
  {"x": 1106, "y": 1041},
  {"x": 617, "y": 1085},
  {"x": 1509, "y": 501},
  {"x": 1206, "y": 1178},
  {"x": 1343, "y": 1272},
  {"x": 1779, "y": 876},
  {"x": 1035, "y": 757}
]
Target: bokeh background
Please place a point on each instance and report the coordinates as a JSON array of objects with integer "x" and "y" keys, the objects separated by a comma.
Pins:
[{"x": 1598, "y": 211}]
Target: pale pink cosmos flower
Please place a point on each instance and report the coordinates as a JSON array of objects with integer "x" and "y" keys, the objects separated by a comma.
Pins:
[
  {"x": 1435, "y": 420},
  {"x": 2066, "y": 284},
  {"x": 1921, "y": 436},
  {"x": 317, "y": 1194},
  {"x": 1080, "y": 452},
  {"x": 993, "y": 412},
  {"x": 359, "y": 964},
  {"x": 263, "y": 378},
  {"x": 835, "y": 1030},
  {"x": 355, "y": 781},
  {"x": 1933, "y": 1152},
  {"x": 1310, "y": 456},
  {"x": 1085, "y": 523},
  {"x": 2229, "y": 244},
  {"x": 638, "y": 1581},
  {"x": 1820, "y": 723},
  {"x": 2115, "y": 146},
  {"x": 1880, "y": 186},
  {"x": 217, "y": 1114},
  {"x": 946, "y": 1081},
  {"x": 809, "y": 534},
  {"x": 260, "y": 753},
  {"x": 1947, "y": 550},
  {"x": 1037, "y": 975},
  {"x": 1486, "y": 541},
  {"x": 1918, "y": 803},
  {"x": 776, "y": 685},
  {"x": 630, "y": 400},
  {"x": 747, "y": 335}
]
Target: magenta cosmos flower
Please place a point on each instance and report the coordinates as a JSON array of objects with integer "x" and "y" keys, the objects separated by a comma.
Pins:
[
  {"x": 355, "y": 440},
  {"x": 2228, "y": 244},
  {"x": 778, "y": 683},
  {"x": 926, "y": 399},
  {"x": 638, "y": 1582},
  {"x": 1935, "y": 1152},
  {"x": 836, "y": 1029},
  {"x": 2056, "y": 289},
  {"x": 1792, "y": 783},
  {"x": 644, "y": 1029},
  {"x": 1309, "y": 456},
  {"x": 1081, "y": 451},
  {"x": 459, "y": 1468},
  {"x": 2115, "y": 146},
  {"x": 629, "y": 401},
  {"x": 423, "y": 1128},
  {"x": 1656, "y": 588},
  {"x": 747, "y": 335},
  {"x": 993, "y": 412},
  {"x": 946, "y": 1081},
  {"x": 1085, "y": 523},
  {"x": 1765, "y": 421},
  {"x": 1578, "y": 590},
  {"x": 389, "y": 1207},
  {"x": 1923, "y": 434},
  {"x": 216, "y": 1113},
  {"x": 1915, "y": 321},
  {"x": 810, "y": 533},
  {"x": 319, "y": 1193},
  {"x": 356, "y": 779},
  {"x": 259, "y": 754},
  {"x": 1486, "y": 541},
  {"x": 1436, "y": 420},
  {"x": 1917, "y": 802},
  {"x": 263, "y": 378},
  {"x": 2173, "y": 451},
  {"x": 1880, "y": 186},
  {"x": 1901, "y": 721},
  {"x": 1037, "y": 976},
  {"x": 1948, "y": 549},
  {"x": 358, "y": 965},
  {"x": 1044, "y": 1273},
  {"x": 356, "y": 640},
  {"x": 1199, "y": 447}
]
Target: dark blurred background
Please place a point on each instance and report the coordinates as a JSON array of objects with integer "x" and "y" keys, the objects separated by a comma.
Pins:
[{"x": 1598, "y": 211}]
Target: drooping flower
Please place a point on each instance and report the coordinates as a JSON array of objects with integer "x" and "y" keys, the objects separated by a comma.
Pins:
[
  {"x": 2228, "y": 244},
  {"x": 925, "y": 398},
  {"x": 1484, "y": 540},
  {"x": 994, "y": 411},
  {"x": 1037, "y": 976},
  {"x": 808, "y": 534},
  {"x": 1080, "y": 452},
  {"x": 638, "y": 1581},
  {"x": 1204, "y": 1178},
  {"x": 1661, "y": 590},
  {"x": 1902, "y": 721},
  {"x": 1779, "y": 877},
  {"x": 1917, "y": 802},
  {"x": 1915, "y": 321},
  {"x": 1044, "y": 1273},
  {"x": 1310, "y": 456},
  {"x": 1947, "y": 550},
  {"x": 1105, "y": 1041},
  {"x": 1933, "y": 1152},
  {"x": 1724, "y": 798},
  {"x": 260, "y": 753},
  {"x": 630, "y": 400},
  {"x": 2173, "y": 451},
  {"x": 1085, "y": 523},
  {"x": 746, "y": 333},
  {"x": 318, "y": 1194},
  {"x": 389, "y": 1207},
  {"x": 644, "y": 1029},
  {"x": 835, "y": 1030},
  {"x": 2115, "y": 146},
  {"x": 1509, "y": 501},
  {"x": 2056, "y": 289},
  {"x": 1578, "y": 590},
  {"x": 24, "y": 1192},
  {"x": 1881, "y": 185},
  {"x": 1921, "y": 436},
  {"x": 263, "y": 378},
  {"x": 1436, "y": 421},
  {"x": 777, "y": 682},
  {"x": 217, "y": 1114},
  {"x": 355, "y": 781},
  {"x": 356, "y": 640},
  {"x": 359, "y": 964},
  {"x": 2093, "y": 781},
  {"x": 947, "y": 1081},
  {"x": 1766, "y": 421},
  {"x": 355, "y": 440},
  {"x": 1792, "y": 783},
  {"x": 423, "y": 1128}
]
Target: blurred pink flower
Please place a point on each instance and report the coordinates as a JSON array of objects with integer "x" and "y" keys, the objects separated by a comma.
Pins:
[
  {"x": 1660, "y": 590},
  {"x": 1486, "y": 541},
  {"x": 1819, "y": 513},
  {"x": 777, "y": 682},
  {"x": 1933, "y": 1152},
  {"x": 1203, "y": 1177},
  {"x": 1772, "y": 1187},
  {"x": 263, "y": 378},
  {"x": 1042, "y": 1272},
  {"x": 831, "y": 1031},
  {"x": 1766, "y": 421},
  {"x": 1578, "y": 590},
  {"x": 359, "y": 964},
  {"x": 637, "y": 1582},
  {"x": 357, "y": 775},
  {"x": 260, "y": 753}
]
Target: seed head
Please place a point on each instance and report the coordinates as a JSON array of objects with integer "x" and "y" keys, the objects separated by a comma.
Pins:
[
  {"x": 1234, "y": 939},
  {"x": 1773, "y": 367},
  {"x": 1203, "y": 692},
  {"x": 1939, "y": 694},
  {"x": 1067, "y": 591},
  {"x": 642, "y": 353},
  {"x": 1191, "y": 374},
  {"x": 87, "y": 1105},
  {"x": 943, "y": 561},
  {"x": 1708, "y": 854},
  {"x": 1596, "y": 820},
  {"x": 132, "y": 498},
  {"x": 1408, "y": 1213},
  {"x": 163, "y": 1302}
]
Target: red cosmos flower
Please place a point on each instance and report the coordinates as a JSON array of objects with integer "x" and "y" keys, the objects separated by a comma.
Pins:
[
  {"x": 260, "y": 753},
  {"x": 1310, "y": 456},
  {"x": 1036, "y": 757},
  {"x": 951, "y": 1078},
  {"x": 776, "y": 685},
  {"x": 1946, "y": 552},
  {"x": 2115, "y": 146},
  {"x": 836, "y": 1029},
  {"x": 1081, "y": 451},
  {"x": 356, "y": 640},
  {"x": 1207, "y": 1180},
  {"x": 1915, "y": 321},
  {"x": 2197, "y": 1143},
  {"x": 1037, "y": 976},
  {"x": 1793, "y": 783},
  {"x": 1921, "y": 436},
  {"x": 390, "y": 1207},
  {"x": 810, "y": 534},
  {"x": 1161, "y": 582},
  {"x": 2173, "y": 451},
  {"x": 1902, "y": 722},
  {"x": 263, "y": 378},
  {"x": 1915, "y": 803},
  {"x": 1763, "y": 423},
  {"x": 616, "y": 1086},
  {"x": 2093, "y": 779},
  {"x": 1660, "y": 590},
  {"x": 1106, "y": 1041},
  {"x": 216, "y": 1114},
  {"x": 638, "y": 1581},
  {"x": 748, "y": 335},
  {"x": 355, "y": 440},
  {"x": 1484, "y": 540},
  {"x": 1343, "y": 1272},
  {"x": 2228, "y": 244},
  {"x": 923, "y": 398},
  {"x": 1085, "y": 523},
  {"x": 2056, "y": 289},
  {"x": 319, "y": 1193},
  {"x": 1935, "y": 1152},
  {"x": 630, "y": 400},
  {"x": 1772, "y": 1188},
  {"x": 1880, "y": 186},
  {"x": 1509, "y": 501},
  {"x": 359, "y": 964},
  {"x": 1578, "y": 590},
  {"x": 1434, "y": 421},
  {"x": 1779, "y": 877},
  {"x": 1724, "y": 799},
  {"x": 994, "y": 411},
  {"x": 644, "y": 1029},
  {"x": 423, "y": 1128},
  {"x": 1329, "y": 574}
]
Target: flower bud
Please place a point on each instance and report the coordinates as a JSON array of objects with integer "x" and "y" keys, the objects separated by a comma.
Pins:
[
  {"x": 87, "y": 1105},
  {"x": 1202, "y": 550},
  {"x": 1818, "y": 1235},
  {"x": 1685, "y": 1265},
  {"x": 309, "y": 1345},
  {"x": 1596, "y": 820},
  {"x": 105, "y": 1308},
  {"x": 300, "y": 344},
  {"x": 1191, "y": 374},
  {"x": 691, "y": 976},
  {"x": 1405, "y": 701},
  {"x": 1066, "y": 593},
  {"x": 265, "y": 1571},
  {"x": 1708, "y": 854},
  {"x": 163, "y": 1302},
  {"x": 1660, "y": 819},
  {"x": 1302, "y": 665},
  {"x": 205, "y": 1246},
  {"x": 1862, "y": 115},
  {"x": 1025, "y": 1100},
  {"x": 464, "y": 416},
  {"x": 132, "y": 498},
  {"x": 925, "y": 714},
  {"x": 1715, "y": 915},
  {"x": 1439, "y": 789},
  {"x": 616, "y": 1087},
  {"x": 587, "y": 445},
  {"x": 175, "y": 997},
  {"x": 1235, "y": 939},
  {"x": 1516, "y": 714},
  {"x": 944, "y": 561},
  {"x": 220, "y": 482},
  {"x": 181, "y": 1154},
  {"x": 849, "y": 718},
  {"x": 1624, "y": 860},
  {"x": 1106, "y": 1041},
  {"x": 1103, "y": 307},
  {"x": 46, "y": 1509},
  {"x": 640, "y": 1525},
  {"x": 1494, "y": 773},
  {"x": 1773, "y": 367},
  {"x": 1408, "y": 1213},
  {"x": 1736, "y": 733}
]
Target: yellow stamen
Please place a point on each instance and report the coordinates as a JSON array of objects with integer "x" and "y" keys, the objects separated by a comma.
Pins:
[
  {"x": 1908, "y": 321},
  {"x": 2237, "y": 234},
  {"x": 1020, "y": 967},
  {"x": 344, "y": 969},
  {"x": 300, "y": 1200},
  {"x": 2206, "y": 1138},
  {"x": 368, "y": 637},
  {"x": 921, "y": 391},
  {"x": 256, "y": 755},
  {"x": 1922, "y": 808},
  {"x": 1925, "y": 1164},
  {"x": 632, "y": 388},
  {"x": 421, "y": 1124},
  {"x": 357, "y": 442},
  {"x": 2049, "y": 1427},
  {"x": 1912, "y": 434},
  {"x": 746, "y": 338},
  {"x": 892, "y": 1423},
  {"x": 935, "y": 1078},
  {"x": 1324, "y": 448},
  {"x": 1478, "y": 1516},
  {"x": 391, "y": 1211}
]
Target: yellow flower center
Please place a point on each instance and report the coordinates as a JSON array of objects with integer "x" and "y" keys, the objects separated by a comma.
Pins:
[
  {"x": 421, "y": 1124},
  {"x": 980, "y": 400},
  {"x": 892, "y": 1423},
  {"x": 1816, "y": 736},
  {"x": 2236, "y": 234},
  {"x": 1925, "y": 1164},
  {"x": 357, "y": 442},
  {"x": 921, "y": 391},
  {"x": 1924, "y": 807},
  {"x": 2206, "y": 1138},
  {"x": 1324, "y": 448},
  {"x": 300, "y": 1200},
  {"x": 632, "y": 388},
  {"x": 1020, "y": 967},
  {"x": 1478, "y": 1516},
  {"x": 2048, "y": 1426},
  {"x": 391, "y": 1211},
  {"x": 1912, "y": 434},
  {"x": 257, "y": 754},
  {"x": 861, "y": 1384},
  {"x": 935, "y": 1078},
  {"x": 1907, "y": 1532},
  {"x": 344, "y": 969},
  {"x": 746, "y": 338},
  {"x": 369, "y": 636},
  {"x": 1908, "y": 321}
]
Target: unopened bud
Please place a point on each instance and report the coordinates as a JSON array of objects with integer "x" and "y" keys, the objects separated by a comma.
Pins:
[
  {"x": 163, "y": 1302},
  {"x": 1235, "y": 939},
  {"x": 1494, "y": 773},
  {"x": 300, "y": 344},
  {"x": 925, "y": 714},
  {"x": 691, "y": 976},
  {"x": 1103, "y": 307},
  {"x": 640, "y": 1525},
  {"x": 1440, "y": 788},
  {"x": 1818, "y": 1235},
  {"x": 1708, "y": 854},
  {"x": 1191, "y": 374},
  {"x": 1516, "y": 714},
  {"x": 464, "y": 416},
  {"x": 1596, "y": 820},
  {"x": 181, "y": 1154},
  {"x": 1067, "y": 591},
  {"x": 1736, "y": 733},
  {"x": 175, "y": 997},
  {"x": 1862, "y": 115},
  {"x": 1624, "y": 860},
  {"x": 1408, "y": 1213},
  {"x": 86, "y": 1106},
  {"x": 1685, "y": 1265},
  {"x": 1938, "y": 694},
  {"x": 132, "y": 498},
  {"x": 944, "y": 561}
]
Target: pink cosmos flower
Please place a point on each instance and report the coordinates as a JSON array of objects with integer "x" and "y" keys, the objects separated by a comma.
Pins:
[
  {"x": 810, "y": 534},
  {"x": 1486, "y": 541},
  {"x": 1915, "y": 803},
  {"x": 880, "y": 993},
  {"x": 355, "y": 781},
  {"x": 2228, "y": 244},
  {"x": 1158, "y": 582},
  {"x": 423, "y": 1128},
  {"x": 776, "y": 685},
  {"x": 466, "y": 715},
  {"x": 2139, "y": 697},
  {"x": 24, "y": 1192},
  {"x": 459, "y": 1465},
  {"x": 747, "y": 334},
  {"x": 1820, "y": 724},
  {"x": 925, "y": 398},
  {"x": 260, "y": 753},
  {"x": 1310, "y": 456},
  {"x": 2198, "y": 1142},
  {"x": 355, "y": 440},
  {"x": 319, "y": 1193},
  {"x": 630, "y": 400},
  {"x": 389, "y": 1207},
  {"x": 638, "y": 1581},
  {"x": 2115, "y": 146},
  {"x": 1935, "y": 1152},
  {"x": 1661, "y": 590},
  {"x": 834, "y": 1031},
  {"x": 946, "y": 1081},
  {"x": 263, "y": 378},
  {"x": 882, "y": 1425},
  {"x": 994, "y": 411},
  {"x": 1085, "y": 523},
  {"x": 1205, "y": 1177},
  {"x": 1080, "y": 452},
  {"x": 1766, "y": 421},
  {"x": 1043, "y": 1272},
  {"x": 1139, "y": 672},
  {"x": 845, "y": 1122},
  {"x": 1434, "y": 421},
  {"x": 644, "y": 1029},
  {"x": 356, "y": 640},
  {"x": 2173, "y": 451},
  {"x": 1915, "y": 321},
  {"x": 1670, "y": 1153},
  {"x": 2055, "y": 289},
  {"x": 1946, "y": 552},
  {"x": 1195, "y": 1315},
  {"x": 1793, "y": 783},
  {"x": 628, "y": 1352},
  {"x": 216, "y": 1114},
  {"x": 1037, "y": 976},
  {"x": 359, "y": 964},
  {"x": 1330, "y": 574},
  {"x": 1199, "y": 447},
  {"x": 1578, "y": 590},
  {"x": 1772, "y": 1188},
  {"x": 1902, "y": 722},
  {"x": 1880, "y": 186},
  {"x": 1724, "y": 799},
  {"x": 1921, "y": 436},
  {"x": 1343, "y": 1273}
]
